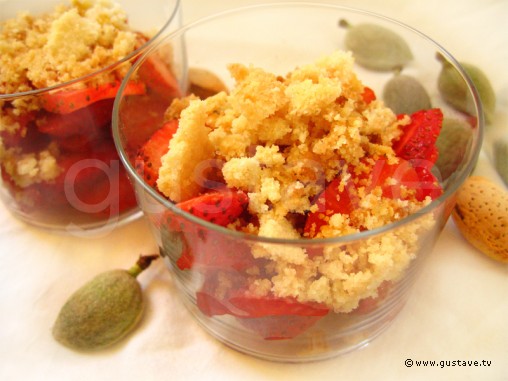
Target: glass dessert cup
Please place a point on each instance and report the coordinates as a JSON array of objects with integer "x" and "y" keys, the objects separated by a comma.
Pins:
[
  {"x": 212, "y": 264},
  {"x": 59, "y": 166}
]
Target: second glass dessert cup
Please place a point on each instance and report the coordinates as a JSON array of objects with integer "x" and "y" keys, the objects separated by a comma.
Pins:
[{"x": 59, "y": 166}]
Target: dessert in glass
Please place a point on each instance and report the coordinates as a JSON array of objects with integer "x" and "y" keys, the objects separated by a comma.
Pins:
[
  {"x": 293, "y": 207},
  {"x": 62, "y": 63}
]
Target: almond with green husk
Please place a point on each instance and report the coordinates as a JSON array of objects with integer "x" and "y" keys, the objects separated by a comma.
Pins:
[
  {"x": 452, "y": 144},
  {"x": 454, "y": 89},
  {"x": 376, "y": 47},
  {"x": 404, "y": 94},
  {"x": 104, "y": 310}
]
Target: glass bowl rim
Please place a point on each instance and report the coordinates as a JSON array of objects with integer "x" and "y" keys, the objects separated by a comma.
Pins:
[
  {"x": 302, "y": 242},
  {"x": 102, "y": 70}
]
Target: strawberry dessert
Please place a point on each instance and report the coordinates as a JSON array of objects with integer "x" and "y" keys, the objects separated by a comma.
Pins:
[
  {"x": 288, "y": 164},
  {"x": 58, "y": 79}
]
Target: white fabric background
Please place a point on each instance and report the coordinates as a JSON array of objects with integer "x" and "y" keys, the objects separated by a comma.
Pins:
[{"x": 458, "y": 309}]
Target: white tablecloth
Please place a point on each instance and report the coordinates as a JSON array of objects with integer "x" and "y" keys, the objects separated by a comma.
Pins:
[{"x": 458, "y": 309}]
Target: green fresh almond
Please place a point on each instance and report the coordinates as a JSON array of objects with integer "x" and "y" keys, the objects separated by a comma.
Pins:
[
  {"x": 453, "y": 88},
  {"x": 376, "y": 47},
  {"x": 102, "y": 311},
  {"x": 405, "y": 95},
  {"x": 452, "y": 144},
  {"x": 501, "y": 159}
]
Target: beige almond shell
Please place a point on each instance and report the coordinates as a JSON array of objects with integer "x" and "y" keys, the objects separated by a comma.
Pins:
[
  {"x": 204, "y": 83},
  {"x": 481, "y": 215}
]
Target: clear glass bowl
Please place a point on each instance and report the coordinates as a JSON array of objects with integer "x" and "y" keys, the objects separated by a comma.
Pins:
[
  {"x": 59, "y": 166},
  {"x": 211, "y": 264}
]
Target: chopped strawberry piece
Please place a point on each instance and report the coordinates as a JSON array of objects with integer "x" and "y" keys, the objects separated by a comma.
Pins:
[
  {"x": 368, "y": 305},
  {"x": 140, "y": 116},
  {"x": 110, "y": 196},
  {"x": 186, "y": 260},
  {"x": 209, "y": 249},
  {"x": 79, "y": 143},
  {"x": 148, "y": 161},
  {"x": 86, "y": 122},
  {"x": 78, "y": 171},
  {"x": 209, "y": 305},
  {"x": 218, "y": 298},
  {"x": 81, "y": 171},
  {"x": 368, "y": 95},
  {"x": 215, "y": 250},
  {"x": 220, "y": 207},
  {"x": 419, "y": 137},
  {"x": 334, "y": 199},
  {"x": 428, "y": 183},
  {"x": 15, "y": 127},
  {"x": 67, "y": 101},
  {"x": 282, "y": 327},
  {"x": 393, "y": 178},
  {"x": 256, "y": 306},
  {"x": 213, "y": 297},
  {"x": 157, "y": 76},
  {"x": 156, "y": 73},
  {"x": 29, "y": 140}
]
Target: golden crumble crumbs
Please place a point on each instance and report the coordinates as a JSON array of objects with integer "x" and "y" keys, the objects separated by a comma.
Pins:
[{"x": 37, "y": 51}]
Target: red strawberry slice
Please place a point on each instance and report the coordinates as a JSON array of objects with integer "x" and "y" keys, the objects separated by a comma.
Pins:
[
  {"x": 156, "y": 73},
  {"x": 209, "y": 305},
  {"x": 219, "y": 207},
  {"x": 428, "y": 184},
  {"x": 283, "y": 327},
  {"x": 405, "y": 174},
  {"x": 207, "y": 248},
  {"x": 186, "y": 259},
  {"x": 368, "y": 305},
  {"x": 256, "y": 306},
  {"x": 67, "y": 101},
  {"x": 368, "y": 95},
  {"x": 110, "y": 196},
  {"x": 82, "y": 171},
  {"x": 213, "y": 297},
  {"x": 214, "y": 250},
  {"x": 140, "y": 116},
  {"x": 148, "y": 161},
  {"x": 15, "y": 127},
  {"x": 334, "y": 199},
  {"x": 391, "y": 176},
  {"x": 419, "y": 137},
  {"x": 30, "y": 139},
  {"x": 157, "y": 76},
  {"x": 218, "y": 297},
  {"x": 85, "y": 122},
  {"x": 83, "y": 144},
  {"x": 79, "y": 171},
  {"x": 20, "y": 131}
]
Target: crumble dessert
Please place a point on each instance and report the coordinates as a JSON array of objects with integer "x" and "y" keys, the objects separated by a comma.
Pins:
[{"x": 317, "y": 157}]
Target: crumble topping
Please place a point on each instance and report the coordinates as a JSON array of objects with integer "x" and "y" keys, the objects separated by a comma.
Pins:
[{"x": 281, "y": 139}]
